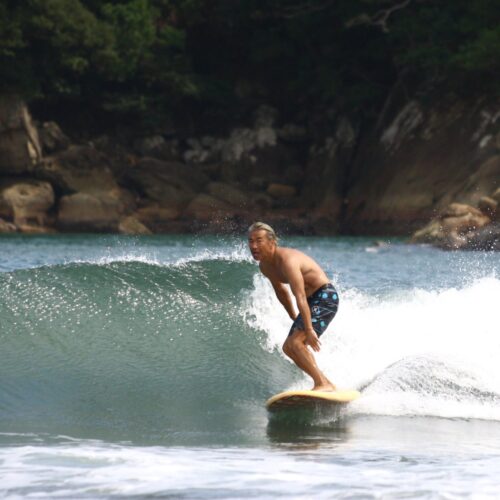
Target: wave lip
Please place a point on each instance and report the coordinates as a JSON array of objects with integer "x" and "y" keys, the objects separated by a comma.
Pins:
[{"x": 68, "y": 252}]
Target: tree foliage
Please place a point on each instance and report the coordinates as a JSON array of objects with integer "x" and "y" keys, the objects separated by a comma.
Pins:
[{"x": 149, "y": 58}]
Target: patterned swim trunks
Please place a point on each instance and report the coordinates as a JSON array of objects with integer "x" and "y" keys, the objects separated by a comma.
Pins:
[{"x": 323, "y": 304}]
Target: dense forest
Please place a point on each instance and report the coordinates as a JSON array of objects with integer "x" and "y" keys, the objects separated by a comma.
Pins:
[{"x": 148, "y": 62}]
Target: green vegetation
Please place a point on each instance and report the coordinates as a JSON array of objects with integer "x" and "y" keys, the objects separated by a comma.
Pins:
[{"x": 149, "y": 59}]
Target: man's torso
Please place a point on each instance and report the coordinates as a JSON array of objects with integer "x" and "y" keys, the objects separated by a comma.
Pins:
[{"x": 314, "y": 276}]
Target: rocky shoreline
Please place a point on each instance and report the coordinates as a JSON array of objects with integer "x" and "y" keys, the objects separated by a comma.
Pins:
[
  {"x": 417, "y": 164},
  {"x": 463, "y": 227},
  {"x": 50, "y": 185}
]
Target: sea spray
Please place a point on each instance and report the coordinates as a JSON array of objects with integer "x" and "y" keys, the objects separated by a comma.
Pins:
[{"x": 414, "y": 352}]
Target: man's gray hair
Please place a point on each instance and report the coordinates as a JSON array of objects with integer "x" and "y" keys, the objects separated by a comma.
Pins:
[{"x": 256, "y": 226}]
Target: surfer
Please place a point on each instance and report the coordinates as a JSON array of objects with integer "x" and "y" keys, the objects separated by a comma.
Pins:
[{"x": 316, "y": 298}]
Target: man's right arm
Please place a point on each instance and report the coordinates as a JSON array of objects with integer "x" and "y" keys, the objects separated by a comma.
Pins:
[
  {"x": 281, "y": 291},
  {"x": 285, "y": 298}
]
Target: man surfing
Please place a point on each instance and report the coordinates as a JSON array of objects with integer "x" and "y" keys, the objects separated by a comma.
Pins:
[{"x": 316, "y": 298}]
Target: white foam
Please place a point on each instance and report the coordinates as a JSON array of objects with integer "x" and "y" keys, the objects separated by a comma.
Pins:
[
  {"x": 239, "y": 253},
  {"x": 419, "y": 352},
  {"x": 263, "y": 312},
  {"x": 161, "y": 258}
]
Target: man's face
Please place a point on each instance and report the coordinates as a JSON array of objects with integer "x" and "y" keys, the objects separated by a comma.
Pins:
[{"x": 260, "y": 245}]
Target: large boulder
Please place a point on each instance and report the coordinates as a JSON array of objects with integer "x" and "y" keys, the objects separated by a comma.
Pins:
[
  {"x": 156, "y": 212},
  {"x": 158, "y": 218},
  {"x": 453, "y": 228},
  {"x": 20, "y": 148},
  {"x": 262, "y": 202},
  {"x": 7, "y": 227},
  {"x": 458, "y": 210},
  {"x": 92, "y": 199},
  {"x": 6, "y": 211},
  {"x": 486, "y": 238},
  {"x": 488, "y": 206},
  {"x": 79, "y": 168},
  {"x": 171, "y": 184},
  {"x": 206, "y": 207},
  {"x": 229, "y": 194},
  {"x": 95, "y": 212},
  {"x": 29, "y": 202},
  {"x": 132, "y": 225}
]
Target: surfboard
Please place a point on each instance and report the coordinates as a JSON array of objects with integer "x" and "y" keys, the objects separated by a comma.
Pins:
[{"x": 309, "y": 399}]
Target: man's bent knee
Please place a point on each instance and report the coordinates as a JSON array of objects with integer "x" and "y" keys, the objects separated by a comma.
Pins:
[
  {"x": 288, "y": 347},
  {"x": 297, "y": 340}
]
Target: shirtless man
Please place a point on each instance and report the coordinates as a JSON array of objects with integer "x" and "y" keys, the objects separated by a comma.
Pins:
[{"x": 316, "y": 298}]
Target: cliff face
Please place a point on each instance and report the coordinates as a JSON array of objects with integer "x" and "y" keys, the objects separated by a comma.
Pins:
[{"x": 420, "y": 157}]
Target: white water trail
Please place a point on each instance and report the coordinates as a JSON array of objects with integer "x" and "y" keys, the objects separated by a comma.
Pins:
[{"x": 414, "y": 352}]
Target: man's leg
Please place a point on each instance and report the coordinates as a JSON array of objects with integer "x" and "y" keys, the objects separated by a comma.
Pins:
[{"x": 295, "y": 348}]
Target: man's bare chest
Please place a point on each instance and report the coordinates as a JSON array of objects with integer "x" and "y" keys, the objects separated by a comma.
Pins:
[{"x": 275, "y": 274}]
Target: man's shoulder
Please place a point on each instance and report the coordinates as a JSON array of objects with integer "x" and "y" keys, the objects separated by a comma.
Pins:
[
  {"x": 286, "y": 251},
  {"x": 291, "y": 254}
]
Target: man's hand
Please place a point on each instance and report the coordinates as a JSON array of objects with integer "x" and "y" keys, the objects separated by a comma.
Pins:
[{"x": 313, "y": 340}]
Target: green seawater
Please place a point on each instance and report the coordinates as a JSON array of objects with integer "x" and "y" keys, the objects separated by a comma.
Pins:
[{"x": 139, "y": 367}]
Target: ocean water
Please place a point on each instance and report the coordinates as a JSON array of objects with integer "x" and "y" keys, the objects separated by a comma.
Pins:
[{"x": 139, "y": 367}]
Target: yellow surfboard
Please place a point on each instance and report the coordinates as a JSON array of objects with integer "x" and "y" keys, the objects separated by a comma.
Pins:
[{"x": 309, "y": 399}]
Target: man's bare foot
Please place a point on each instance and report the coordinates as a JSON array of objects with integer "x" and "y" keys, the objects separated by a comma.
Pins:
[{"x": 324, "y": 388}]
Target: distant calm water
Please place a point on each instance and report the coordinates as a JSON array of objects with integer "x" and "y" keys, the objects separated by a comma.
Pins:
[{"x": 139, "y": 367}]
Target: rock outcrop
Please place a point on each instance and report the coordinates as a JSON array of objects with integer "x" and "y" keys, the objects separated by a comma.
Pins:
[
  {"x": 20, "y": 148},
  {"x": 7, "y": 227},
  {"x": 85, "y": 211},
  {"x": 453, "y": 228},
  {"x": 420, "y": 158},
  {"x": 327, "y": 174},
  {"x": 29, "y": 202},
  {"x": 461, "y": 226},
  {"x": 52, "y": 138},
  {"x": 206, "y": 207},
  {"x": 90, "y": 197},
  {"x": 132, "y": 225},
  {"x": 423, "y": 157},
  {"x": 171, "y": 184},
  {"x": 486, "y": 238}
]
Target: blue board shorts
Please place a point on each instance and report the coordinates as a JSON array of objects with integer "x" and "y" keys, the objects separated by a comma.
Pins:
[{"x": 323, "y": 304}]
